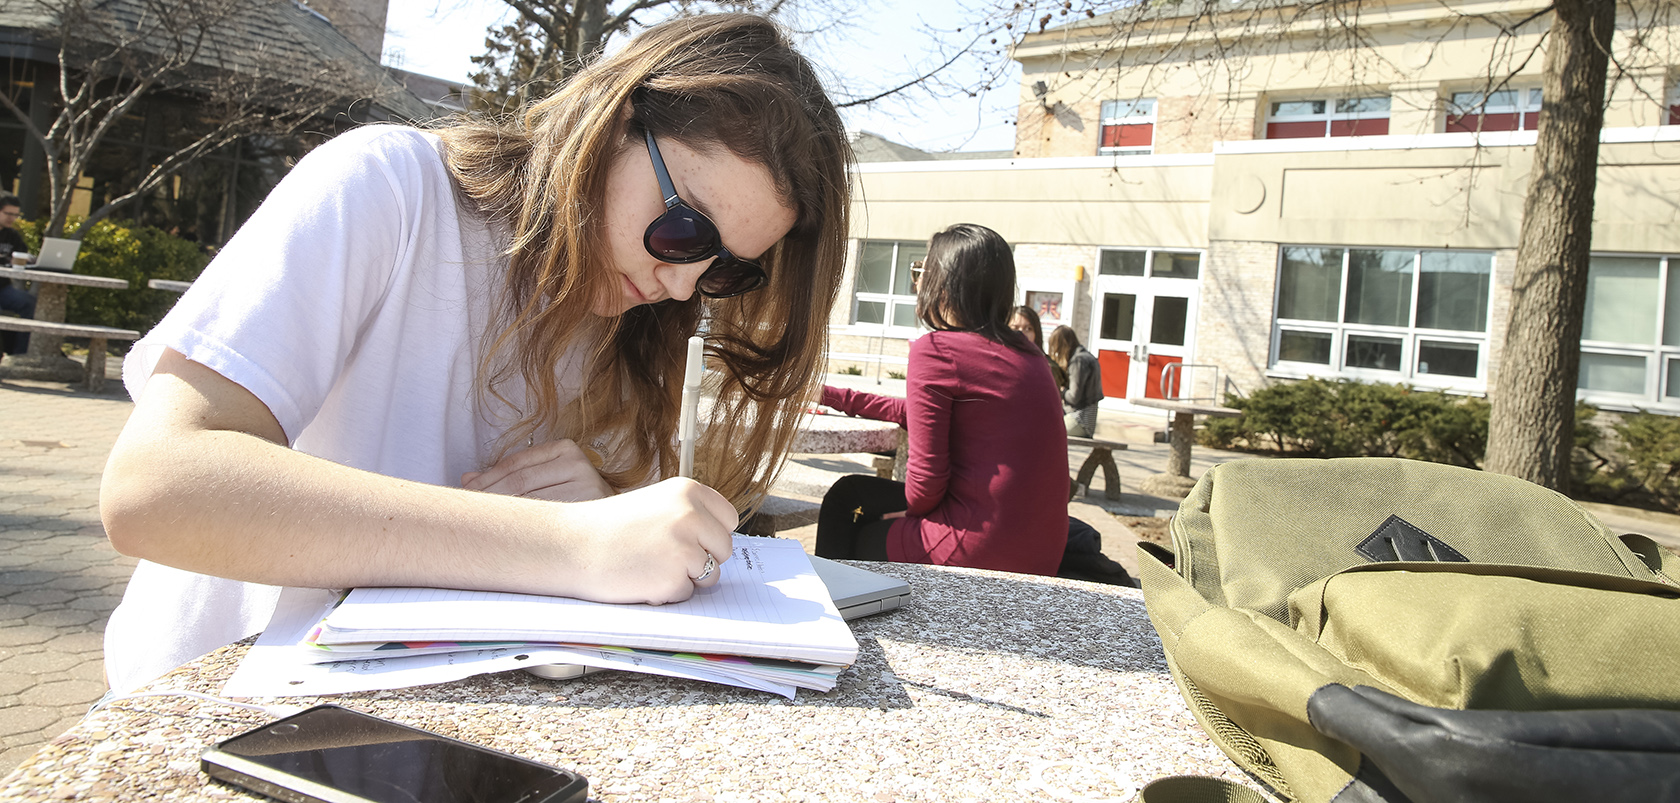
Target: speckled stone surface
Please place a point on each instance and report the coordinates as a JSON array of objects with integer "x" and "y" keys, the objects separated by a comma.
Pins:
[
  {"x": 989, "y": 686},
  {"x": 840, "y": 434}
]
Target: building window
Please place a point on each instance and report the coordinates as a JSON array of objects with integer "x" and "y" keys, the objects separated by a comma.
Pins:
[
  {"x": 1505, "y": 110},
  {"x": 1674, "y": 104},
  {"x": 1630, "y": 333},
  {"x": 1388, "y": 314},
  {"x": 885, "y": 293},
  {"x": 1128, "y": 127},
  {"x": 1328, "y": 117},
  {"x": 1154, "y": 264}
]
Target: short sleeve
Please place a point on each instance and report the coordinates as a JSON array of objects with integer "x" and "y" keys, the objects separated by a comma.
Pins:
[{"x": 280, "y": 308}]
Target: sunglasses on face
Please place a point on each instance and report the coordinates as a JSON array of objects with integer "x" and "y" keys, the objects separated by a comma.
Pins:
[{"x": 682, "y": 235}]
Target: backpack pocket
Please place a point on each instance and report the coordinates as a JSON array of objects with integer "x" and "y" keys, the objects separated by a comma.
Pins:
[{"x": 1516, "y": 638}]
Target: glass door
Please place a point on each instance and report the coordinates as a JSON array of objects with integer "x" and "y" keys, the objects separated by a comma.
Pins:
[{"x": 1145, "y": 307}]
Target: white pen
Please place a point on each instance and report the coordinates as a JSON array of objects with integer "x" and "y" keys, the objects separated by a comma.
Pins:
[{"x": 690, "y": 406}]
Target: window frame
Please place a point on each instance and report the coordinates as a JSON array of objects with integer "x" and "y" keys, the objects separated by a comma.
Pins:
[
  {"x": 1301, "y": 126},
  {"x": 1412, "y": 337},
  {"x": 890, "y": 301},
  {"x": 1529, "y": 106},
  {"x": 1662, "y": 362},
  {"x": 1108, "y": 118}
]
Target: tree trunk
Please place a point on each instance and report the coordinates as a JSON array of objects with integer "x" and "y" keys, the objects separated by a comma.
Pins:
[
  {"x": 588, "y": 34},
  {"x": 1531, "y": 425}
]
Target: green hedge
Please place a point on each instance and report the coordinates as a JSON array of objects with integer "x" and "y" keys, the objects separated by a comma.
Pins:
[
  {"x": 1633, "y": 460},
  {"x": 1638, "y": 466},
  {"x": 136, "y": 254},
  {"x": 1318, "y": 418}
]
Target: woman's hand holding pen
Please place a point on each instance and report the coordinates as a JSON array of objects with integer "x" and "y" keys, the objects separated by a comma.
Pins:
[
  {"x": 654, "y": 544},
  {"x": 559, "y": 471}
]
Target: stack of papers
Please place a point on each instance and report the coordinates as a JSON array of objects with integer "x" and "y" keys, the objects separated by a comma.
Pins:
[{"x": 768, "y": 624}]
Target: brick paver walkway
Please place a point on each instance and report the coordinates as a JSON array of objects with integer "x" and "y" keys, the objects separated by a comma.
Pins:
[{"x": 59, "y": 578}]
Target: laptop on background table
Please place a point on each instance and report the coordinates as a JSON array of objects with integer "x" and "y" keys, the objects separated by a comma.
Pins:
[{"x": 57, "y": 254}]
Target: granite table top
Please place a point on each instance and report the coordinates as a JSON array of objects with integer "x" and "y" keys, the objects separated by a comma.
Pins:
[
  {"x": 60, "y": 277},
  {"x": 987, "y": 686},
  {"x": 843, "y": 434}
]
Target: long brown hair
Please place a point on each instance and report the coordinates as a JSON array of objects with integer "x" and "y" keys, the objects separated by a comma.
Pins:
[
  {"x": 968, "y": 284},
  {"x": 1063, "y": 344},
  {"x": 725, "y": 80}
]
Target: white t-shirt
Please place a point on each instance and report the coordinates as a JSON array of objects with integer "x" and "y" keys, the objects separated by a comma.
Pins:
[{"x": 352, "y": 303}]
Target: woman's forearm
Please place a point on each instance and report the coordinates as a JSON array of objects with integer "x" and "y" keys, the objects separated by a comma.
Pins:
[
  {"x": 864, "y": 405},
  {"x": 197, "y": 481}
]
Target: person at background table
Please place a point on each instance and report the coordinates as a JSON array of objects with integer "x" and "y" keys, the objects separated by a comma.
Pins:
[
  {"x": 453, "y": 358},
  {"x": 986, "y": 481},
  {"x": 1084, "y": 382},
  {"x": 13, "y": 299},
  {"x": 1024, "y": 319}
]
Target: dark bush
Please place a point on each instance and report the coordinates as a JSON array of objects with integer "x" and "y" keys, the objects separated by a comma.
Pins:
[
  {"x": 137, "y": 255},
  {"x": 1320, "y": 418},
  {"x": 1639, "y": 466}
]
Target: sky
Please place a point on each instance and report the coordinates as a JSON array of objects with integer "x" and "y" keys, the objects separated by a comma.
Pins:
[{"x": 882, "y": 45}]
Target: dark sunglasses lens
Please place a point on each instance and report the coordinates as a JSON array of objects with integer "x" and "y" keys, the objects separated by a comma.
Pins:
[
  {"x": 681, "y": 235},
  {"x": 730, "y": 277}
]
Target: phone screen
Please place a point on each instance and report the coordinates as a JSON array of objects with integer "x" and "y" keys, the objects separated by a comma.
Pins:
[{"x": 383, "y": 761}]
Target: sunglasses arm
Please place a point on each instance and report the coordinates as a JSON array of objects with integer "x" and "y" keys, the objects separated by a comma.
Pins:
[{"x": 666, "y": 188}]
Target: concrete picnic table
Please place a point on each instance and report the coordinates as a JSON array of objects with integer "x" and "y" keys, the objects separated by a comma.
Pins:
[
  {"x": 1177, "y": 482},
  {"x": 984, "y": 686},
  {"x": 171, "y": 285},
  {"x": 824, "y": 433},
  {"x": 45, "y": 360}
]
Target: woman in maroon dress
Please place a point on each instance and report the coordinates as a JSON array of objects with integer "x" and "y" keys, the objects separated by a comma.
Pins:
[{"x": 987, "y": 484}]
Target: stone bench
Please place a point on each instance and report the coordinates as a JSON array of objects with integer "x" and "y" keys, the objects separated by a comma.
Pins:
[
  {"x": 1102, "y": 454},
  {"x": 781, "y": 513},
  {"x": 93, "y": 377}
]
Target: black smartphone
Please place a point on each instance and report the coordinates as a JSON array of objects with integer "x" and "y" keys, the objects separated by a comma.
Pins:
[{"x": 330, "y": 754}]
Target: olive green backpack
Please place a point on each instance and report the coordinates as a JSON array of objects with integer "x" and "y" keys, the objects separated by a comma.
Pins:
[{"x": 1373, "y": 629}]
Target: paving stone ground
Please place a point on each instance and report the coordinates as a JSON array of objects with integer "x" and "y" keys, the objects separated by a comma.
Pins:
[{"x": 59, "y": 577}]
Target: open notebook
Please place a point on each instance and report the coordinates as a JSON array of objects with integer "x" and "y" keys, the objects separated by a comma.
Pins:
[{"x": 856, "y": 592}]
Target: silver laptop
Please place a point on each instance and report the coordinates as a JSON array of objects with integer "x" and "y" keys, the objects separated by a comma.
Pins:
[
  {"x": 860, "y": 592},
  {"x": 57, "y": 254},
  {"x": 856, "y": 592}
]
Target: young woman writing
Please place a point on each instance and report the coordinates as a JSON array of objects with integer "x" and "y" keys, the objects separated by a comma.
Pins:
[
  {"x": 423, "y": 340},
  {"x": 986, "y": 484}
]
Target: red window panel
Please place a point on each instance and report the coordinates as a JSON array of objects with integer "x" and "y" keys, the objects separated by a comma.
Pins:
[
  {"x": 1115, "y": 365},
  {"x": 1299, "y": 130},
  {"x": 1531, "y": 121},
  {"x": 1674, "y": 115},
  {"x": 1359, "y": 128},
  {"x": 1483, "y": 122},
  {"x": 1138, "y": 135}
]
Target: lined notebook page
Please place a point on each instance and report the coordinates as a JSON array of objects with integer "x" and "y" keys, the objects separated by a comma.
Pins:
[{"x": 769, "y": 603}]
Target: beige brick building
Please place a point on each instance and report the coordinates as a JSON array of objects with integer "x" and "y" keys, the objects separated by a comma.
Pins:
[{"x": 1292, "y": 209}]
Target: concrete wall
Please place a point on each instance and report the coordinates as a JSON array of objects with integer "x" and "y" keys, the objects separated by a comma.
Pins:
[
  {"x": 1212, "y": 89},
  {"x": 1239, "y": 204}
]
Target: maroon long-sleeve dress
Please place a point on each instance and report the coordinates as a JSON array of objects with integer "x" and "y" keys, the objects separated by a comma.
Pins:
[{"x": 987, "y": 479}]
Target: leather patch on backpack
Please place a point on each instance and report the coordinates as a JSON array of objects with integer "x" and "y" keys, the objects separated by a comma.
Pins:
[{"x": 1398, "y": 539}]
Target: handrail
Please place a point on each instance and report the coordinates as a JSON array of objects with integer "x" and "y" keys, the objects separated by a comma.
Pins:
[{"x": 1170, "y": 378}]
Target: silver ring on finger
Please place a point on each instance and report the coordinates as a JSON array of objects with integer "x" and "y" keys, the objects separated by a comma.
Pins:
[{"x": 711, "y": 566}]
